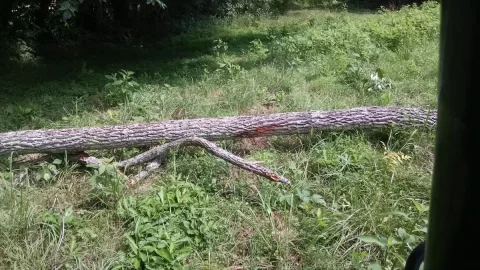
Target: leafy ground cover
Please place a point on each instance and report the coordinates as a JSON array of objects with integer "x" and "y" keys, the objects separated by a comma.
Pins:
[{"x": 357, "y": 200}]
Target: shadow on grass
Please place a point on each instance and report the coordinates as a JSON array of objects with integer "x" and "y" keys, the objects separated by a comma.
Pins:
[{"x": 44, "y": 91}]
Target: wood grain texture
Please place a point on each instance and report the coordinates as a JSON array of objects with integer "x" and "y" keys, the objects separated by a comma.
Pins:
[{"x": 107, "y": 137}]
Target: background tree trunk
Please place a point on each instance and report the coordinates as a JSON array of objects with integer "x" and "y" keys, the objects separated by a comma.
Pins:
[
  {"x": 42, "y": 14},
  {"x": 99, "y": 15},
  {"x": 34, "y": 141}
]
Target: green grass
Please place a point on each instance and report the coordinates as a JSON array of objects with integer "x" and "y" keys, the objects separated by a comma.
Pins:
[{"x": 344, "y": 184}]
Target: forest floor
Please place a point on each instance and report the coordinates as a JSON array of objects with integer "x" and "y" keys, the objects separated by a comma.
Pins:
[{"x": 357, "y": 200}]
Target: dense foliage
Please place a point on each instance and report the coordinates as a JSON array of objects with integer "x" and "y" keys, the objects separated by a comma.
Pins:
[{"x": 26, "y": 24}]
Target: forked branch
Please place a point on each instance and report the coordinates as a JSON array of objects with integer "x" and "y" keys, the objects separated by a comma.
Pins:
[{"x": 159, "y": 153}]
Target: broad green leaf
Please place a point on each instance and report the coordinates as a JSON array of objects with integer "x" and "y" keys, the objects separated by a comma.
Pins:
[
  {"x": 305, "y": 205},
  {"x": 64, "y": 5},
  {"x": 162, "y": 244},
  {"x": 373, "y": 240},
  {"x": 172, "y": 246},
  {"x": 165, "y": 254},
  {"x": 380, "y": 72},
  {"x": 420, "y": 207},
  {"x": 417, "y": 205},
  {"x": 178, "y": 195},
  {"x": 67, "y": 15},
  {"x": 57, "y": 161},
  {"x": 318, "y": 199},
  {"x": 424, "y": 229},
  {"x": 117, "y": 82},
  {"x": 47, "y": 176},
  {"x": 393, "y": 241},
  {"x": 132, "y": 244},
  {"x": 183, "y": 240},
  {"x": 91, "y": 165},
  {"x": 107, "y": 160},
  {"x": 303, "y": 195},
  {"x": 402, "y": 233},
  {"x": 374, "y": 266},
  {"x": 93, "y": 180},
  {"x": 68, "y": 211},
  {"x": 135, "y": 262},
  {"x": 161, "y": 195},
  {"x": 183, "y": 252},
  {"x": 143, "y": 256},
  {"x": 398, "y": 213},
  {"x": 149, "y": 248},
  {"x": 101, "y": 169}
]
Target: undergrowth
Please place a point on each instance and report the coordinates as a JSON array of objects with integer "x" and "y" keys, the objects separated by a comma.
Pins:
[{"x": 358, "y": 199}]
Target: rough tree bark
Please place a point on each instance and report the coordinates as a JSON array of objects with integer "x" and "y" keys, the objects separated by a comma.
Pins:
[
  {"x": 76, "y": 139},
  {"x": 159, "y": 153},
  {"x": 156, "y": 156}
]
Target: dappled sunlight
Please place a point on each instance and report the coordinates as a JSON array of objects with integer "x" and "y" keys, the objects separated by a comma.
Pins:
[{"x": 350, "y": 190}]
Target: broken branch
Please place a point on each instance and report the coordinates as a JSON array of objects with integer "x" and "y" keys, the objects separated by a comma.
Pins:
[{"x": 159, "y": 153}]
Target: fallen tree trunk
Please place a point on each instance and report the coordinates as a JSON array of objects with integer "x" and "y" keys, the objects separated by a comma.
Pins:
[{"x": 108, "y": 137}]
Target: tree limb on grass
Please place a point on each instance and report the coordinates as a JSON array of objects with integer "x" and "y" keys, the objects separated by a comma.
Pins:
[
  {"x": 156, "y": 156},
  {"x": 159, "y": 154},
  {"x": 134, "y": 135}
]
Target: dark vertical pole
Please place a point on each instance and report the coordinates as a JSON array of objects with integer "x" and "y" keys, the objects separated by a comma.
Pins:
[{"x": 454, "y": 228}]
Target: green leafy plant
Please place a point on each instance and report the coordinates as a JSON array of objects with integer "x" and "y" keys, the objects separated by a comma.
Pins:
[
  {"x": 276, "y": 96},
  {"x": 308, "y": 200},
  {"x": 45, "y": 172},
  {"x": 354, "y": 75},
  {"x": 402, "y": 240},
  {"x": 48, "y": 171},
  {"x": 164, "y": 226},
  {"x": 57, "y": 223},
  {"x": 121, "y": 87},
  {"x": 229, "y": 67},
  {"x": 378, "y": 82},
  {"x": 84, "y": 70},
  {"x": 157, "y": 2},
  {"x": 224, "y": 64},
  {"x": 68, "y": 8},
  {"x": 362, "y": 80},
  {"x": 409, "y": 28},
  {"x": 220, "y": 47},
  {"x": 153, "y": 247},
  {"x": 258, "y": 47},
  {"x": 108, "y": 184}
]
